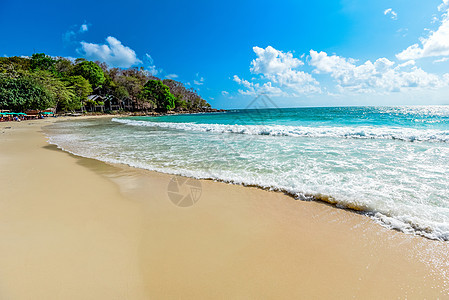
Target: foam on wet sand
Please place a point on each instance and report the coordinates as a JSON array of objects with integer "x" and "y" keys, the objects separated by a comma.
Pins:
[{"x": 77, "y": 228}]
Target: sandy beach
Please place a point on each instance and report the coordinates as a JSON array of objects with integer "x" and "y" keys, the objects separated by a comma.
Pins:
[{"x": 77, "y": 228}]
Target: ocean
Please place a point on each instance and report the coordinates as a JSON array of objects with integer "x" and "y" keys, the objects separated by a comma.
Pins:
[{"x": 390, "y": 163}]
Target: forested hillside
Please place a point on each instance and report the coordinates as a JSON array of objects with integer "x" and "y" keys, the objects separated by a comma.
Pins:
[{"x": 41, "y": 82}]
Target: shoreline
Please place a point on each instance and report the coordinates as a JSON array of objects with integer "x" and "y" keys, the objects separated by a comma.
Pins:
[
  {"x": 235, "y": 241},
  {"x": 327, "y": 199}
]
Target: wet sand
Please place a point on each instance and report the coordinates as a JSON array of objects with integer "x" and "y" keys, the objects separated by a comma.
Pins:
[{"x": 77, "y": 228}]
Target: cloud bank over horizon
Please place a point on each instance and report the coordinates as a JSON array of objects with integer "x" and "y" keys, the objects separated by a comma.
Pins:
[
  {"x": 317, "y": 72},
  {"x": 281, "y": 74}
]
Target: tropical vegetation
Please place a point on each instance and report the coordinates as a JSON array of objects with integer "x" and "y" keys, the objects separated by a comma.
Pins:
[{"x": 41, "y": 81}]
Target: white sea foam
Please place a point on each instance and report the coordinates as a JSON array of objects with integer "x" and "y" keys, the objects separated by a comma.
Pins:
[
  {"x": 402, "y": 186},
  {"x": 362, "y": 132}
]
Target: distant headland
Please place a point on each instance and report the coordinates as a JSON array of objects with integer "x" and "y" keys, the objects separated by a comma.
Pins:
[{"x": 42, "y": 82}]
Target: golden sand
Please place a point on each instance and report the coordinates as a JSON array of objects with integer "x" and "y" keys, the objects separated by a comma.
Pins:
[{"x": 76, "y": 228}]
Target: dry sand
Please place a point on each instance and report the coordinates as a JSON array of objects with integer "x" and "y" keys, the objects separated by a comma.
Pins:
[{"x": 76, "y": 228}]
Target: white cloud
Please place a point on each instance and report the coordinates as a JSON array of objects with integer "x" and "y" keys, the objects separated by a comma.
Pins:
[
  {"x": 243, "y": 82},
  {"x": 171, "y": 76},
  {"x": 114, "y": 53},
  {"x": 441, "y": 60},
  {"x": 392, "y": 13},
  {"x": 435, "y": 44},
  {"x": 252, "y": 88},
  {"x": 380, "y": 76},
  {"x": 443, "y": 6},
  {"x": 224, "y": 93},
  {"x": 198, "y": 82},
  {"x": 271, "y": 61},
  {"x": 278, "y": 75},
  {"x": 84, "y": 28}
]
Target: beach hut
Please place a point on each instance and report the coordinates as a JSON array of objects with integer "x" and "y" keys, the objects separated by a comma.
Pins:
[
  {"x": 50, "y": 110},
  {"x": 96, "y": 103},
  {"x": 112, "y": 103},
  {"x": 32, "y": 114}
]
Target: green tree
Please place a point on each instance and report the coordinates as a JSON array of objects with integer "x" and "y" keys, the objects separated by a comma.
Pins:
[
  {"x": 13, "y": 65},
  {"x": 58, "y": 89},
  {"x": 129, "y": 86},
  {"x": 41, "y": 61},
  {"x": 22, "y": 93},
  {"x": 179, "y": 103},
  {"x": 81, "y": 88},
  {"x": 159, "y": 94},
  {"x": 121, "y": 93},
  {"x": 79, "y": 60},
  {"x": 63, "y": 66},
  {"x": 186, "y": 98},
  {"x": 91, "y": 71}
]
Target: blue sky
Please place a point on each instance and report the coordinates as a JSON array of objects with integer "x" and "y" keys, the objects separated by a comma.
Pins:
[{"x": 300, "y": 53}]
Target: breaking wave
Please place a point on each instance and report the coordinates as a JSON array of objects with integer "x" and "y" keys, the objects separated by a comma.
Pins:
[{"x": 362, "y": 132}]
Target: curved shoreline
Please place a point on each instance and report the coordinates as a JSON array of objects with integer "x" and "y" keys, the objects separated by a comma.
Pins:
[
  {"x": 381, "y": 217},
  {"x": 117, "y": 225}
]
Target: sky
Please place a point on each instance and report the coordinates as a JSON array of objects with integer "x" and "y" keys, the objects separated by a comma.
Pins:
[{"x": 298, "y": 53}]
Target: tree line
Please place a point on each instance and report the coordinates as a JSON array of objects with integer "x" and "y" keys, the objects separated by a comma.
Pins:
[{"x": 41, "y": 81}]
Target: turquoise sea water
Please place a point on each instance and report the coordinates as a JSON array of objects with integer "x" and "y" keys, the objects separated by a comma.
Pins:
[{"x": 390, "y": 162}]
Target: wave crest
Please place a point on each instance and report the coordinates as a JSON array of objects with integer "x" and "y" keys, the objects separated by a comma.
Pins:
[{"x": 363, "y": 132}]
